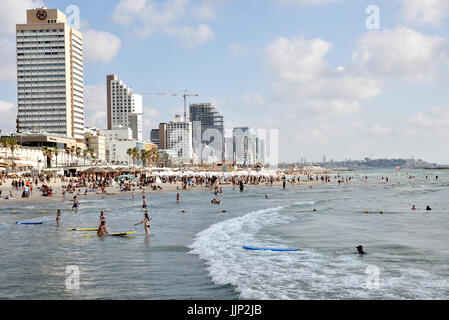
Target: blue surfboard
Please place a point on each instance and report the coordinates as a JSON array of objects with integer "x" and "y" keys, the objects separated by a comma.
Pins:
[
  {"x": 18, "y": 222},
  {"x": 268, "y": 249}
]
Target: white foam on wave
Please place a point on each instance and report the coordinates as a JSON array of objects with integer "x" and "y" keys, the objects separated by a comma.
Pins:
[
  {"x": 308, "y": 274},
  {"x": 228, "y": 263}
]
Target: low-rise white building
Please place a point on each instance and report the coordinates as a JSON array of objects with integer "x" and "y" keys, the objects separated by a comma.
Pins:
[{"x": 95, "y": 140}]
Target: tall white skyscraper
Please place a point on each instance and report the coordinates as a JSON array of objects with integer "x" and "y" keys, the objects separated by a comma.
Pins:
[
  {"x": 50, "y": 84},
  {"x": 124, "y": 106}
]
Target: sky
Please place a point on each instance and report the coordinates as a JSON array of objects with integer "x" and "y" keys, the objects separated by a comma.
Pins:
[{"x": 348, "y": 79}]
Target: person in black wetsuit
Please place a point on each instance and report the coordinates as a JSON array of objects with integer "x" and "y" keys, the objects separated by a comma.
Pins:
[{"x": 360, "y": 250}]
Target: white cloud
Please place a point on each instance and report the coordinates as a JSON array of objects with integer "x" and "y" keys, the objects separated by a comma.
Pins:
[
  {"x": 403, "y": 53},
  {"x": 304, "y": 2},
  {"x": 8, "y": 113},
  {"x": 95, "y": 109},
  {"x": 100, "y": 46},
  {"x": 191, "y": 37},
  {"x": 150, "y": 113},
  {"x": 238, "y": 50},
  {"x": 253, "y": 100},
  {"x": 149, "y": 16},
  {"x": 437, "y": 118},
  {"x": 297, "y": 59},
  {"x": 424, "y": 12},
  {"x": 306, "y": 83},
  {"x": 14, "y": 12},
  {"x": 7, "y": 60}
]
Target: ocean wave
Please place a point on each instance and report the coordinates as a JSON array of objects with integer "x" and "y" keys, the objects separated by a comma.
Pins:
[{"x": 220, "y": 246}]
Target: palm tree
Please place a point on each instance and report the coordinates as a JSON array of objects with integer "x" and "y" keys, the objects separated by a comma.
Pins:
[
  {"x": 72, "y": 152},
  {"x": 85, "y": 153},
  {"x": 78, "y": 152},
  {"x": 13, "y": 146},
  {"x": 91, "y": 153},
  {"x": 165, "y": 159},
  {"x": 129, "y": 152},
  {"x": 5, "y": 143},
  {"x": 154, "y": 156},
  {"x": 67, "y": 151},
  {"x": 143, "y": 156},
  {"x": 135, "y": 155},
  {"x": 56, "y": 152},
  {"x": 48, "y": 152}
]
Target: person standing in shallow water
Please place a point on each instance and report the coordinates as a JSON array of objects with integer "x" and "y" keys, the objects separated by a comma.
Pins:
[
  {"x": 146, "y": 223},
  {"x": 144, "y": 203},
  {"x": 58, "y": 217}
]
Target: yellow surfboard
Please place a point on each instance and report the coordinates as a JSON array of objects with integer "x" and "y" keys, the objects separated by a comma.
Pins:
[{"x": 112, "y": 234}]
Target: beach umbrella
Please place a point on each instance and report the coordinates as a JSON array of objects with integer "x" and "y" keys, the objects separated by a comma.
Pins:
[{"x": 130, "y": 176}]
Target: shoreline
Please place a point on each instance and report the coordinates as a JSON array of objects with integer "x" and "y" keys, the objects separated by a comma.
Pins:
[{"x": 166, "y": 187}]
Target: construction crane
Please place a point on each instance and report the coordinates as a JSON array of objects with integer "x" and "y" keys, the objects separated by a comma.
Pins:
[{"x": 184, "y": 95}]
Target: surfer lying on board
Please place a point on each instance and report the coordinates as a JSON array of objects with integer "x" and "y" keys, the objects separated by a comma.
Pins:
[
  {"x": 146, "y": 222},
  {"x": 215, "y": 201},
  {"x": 102, "y": 229}
]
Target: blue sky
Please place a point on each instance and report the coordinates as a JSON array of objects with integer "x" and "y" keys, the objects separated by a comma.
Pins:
[{"x": 308, "y": 68}]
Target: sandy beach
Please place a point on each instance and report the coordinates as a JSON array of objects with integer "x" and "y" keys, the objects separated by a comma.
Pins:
[{"x": 57, "y": 185}]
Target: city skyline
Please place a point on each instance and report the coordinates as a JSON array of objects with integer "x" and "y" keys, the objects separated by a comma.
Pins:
[{"x": 330, "y": 86}]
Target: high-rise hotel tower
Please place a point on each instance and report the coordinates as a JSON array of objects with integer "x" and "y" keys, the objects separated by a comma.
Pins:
[
  {"x": 50, "y": 75},
  {"x": 124, "y": 106}
]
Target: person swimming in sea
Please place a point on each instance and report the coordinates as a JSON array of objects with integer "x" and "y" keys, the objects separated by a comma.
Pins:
[
  {"x": 102, "y": 229},
  {"x": 428, "y": 208},
  {"x": 146, "y": 223},
  {"x": 413, "y": 207},
  {"x": 360, "y": 250}
]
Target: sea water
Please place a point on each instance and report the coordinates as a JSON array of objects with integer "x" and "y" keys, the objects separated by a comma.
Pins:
[{"x": 198, "y": 253}]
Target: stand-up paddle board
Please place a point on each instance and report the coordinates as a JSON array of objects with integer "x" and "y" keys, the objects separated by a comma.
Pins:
[
  {"x": 268, "y": 249},
  {"x": 111, "y": 234},
  {"x": 18, "y": 222}
]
